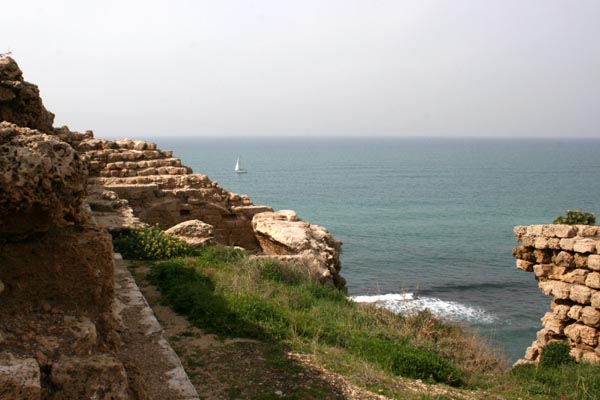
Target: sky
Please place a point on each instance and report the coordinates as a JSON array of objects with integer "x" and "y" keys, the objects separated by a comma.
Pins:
[{"x": 527, "y": 68}]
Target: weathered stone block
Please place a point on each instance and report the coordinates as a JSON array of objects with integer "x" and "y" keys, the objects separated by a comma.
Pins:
[
  {"x": 590, "y": 316},
  {"x": 542, "y": 270},
  {"x": 585, "y": 246},
  {"x": 576, "y": 276},
  {"x": 593, "y": 262},
  {"x": 575, "y": 312},
  {"x": 561, "y": 312},
  {"x": 543, "y": 256},
  {"x": 559, "y": 231},
  {"x": 590, "y": 357},
  {"x": 554, "y": 243},
  {"x": 560, "y": 290},
  {"x": 581, "y": 260},
  {"x": 580, "y": 294},
  {"x": 519, "y": 232},
  {"x": 528, "y": 241},
  {"x": 589, "y": 231},
  {"x": 535, "y": 230},
  {"x": 19, "y": 378},
  {"x": 580, "y": 333},
  {"x": 95, "y": 377},
  {"x": 525, "y": 265},
  {"x": 593, "y": 280},
  {"x": 564, "y": 259},
  {"x": 567, "y": 244},
  {"x": 544, "y": 336},
  {"x": 540, "y": 242},
  {"x": 595, "y": 300},
  {"x": 551, "y": 323}
]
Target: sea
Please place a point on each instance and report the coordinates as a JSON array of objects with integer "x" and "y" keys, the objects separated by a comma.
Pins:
[{"x": 426, "y": 223}]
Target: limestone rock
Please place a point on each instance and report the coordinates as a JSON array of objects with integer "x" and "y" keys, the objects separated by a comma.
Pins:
[
  {"x": 585, "y": 246},
  {"x": 564, "y": 261},
  {"x": 591, "y": 317},
  {"x": 94, "y": 377},
  {"x": 580, "y": 293},
  {"x": 580, "y": 333},
  {"x": 20, "y": 101},
  {"x": 46, "y": 178},
  {"x": 19, "y": 378},
  {"x": 194, "y": 232},
  {"x": 282, "y": 233},
  {"x": 593, "y": 261}
]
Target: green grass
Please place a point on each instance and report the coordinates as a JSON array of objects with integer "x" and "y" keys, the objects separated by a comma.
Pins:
[
  {"x": 224, "y": 292},
  {"x": 568, "y": 381}
]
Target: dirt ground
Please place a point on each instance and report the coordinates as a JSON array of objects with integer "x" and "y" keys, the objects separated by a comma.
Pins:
[
  {"x": 244, "y": 368},
  {"x": 240, "y": 369}
]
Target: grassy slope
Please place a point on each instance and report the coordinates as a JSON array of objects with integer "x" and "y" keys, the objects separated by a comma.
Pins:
[{"x": 224, "y": 292}]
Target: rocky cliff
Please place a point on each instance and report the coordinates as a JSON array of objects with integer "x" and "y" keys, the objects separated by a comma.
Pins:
[
  {"x": 566, "y": 262},
  {"x": 56, "y": 264},
  {"x": 61, "y": 326}
]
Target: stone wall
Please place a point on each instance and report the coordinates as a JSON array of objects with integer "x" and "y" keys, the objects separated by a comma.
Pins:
[
  {"x": 56, "y": 275},
  {"x": 566, "y": 262},
  {"x": 160, "y": 190}
]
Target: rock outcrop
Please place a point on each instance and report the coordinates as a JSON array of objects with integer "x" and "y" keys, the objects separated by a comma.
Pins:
[
  {"x": 57, "y": 336},
  {"x": 283, "y": 234},
  {"x": 44, "y": 179},
  {"x": 20, "y": 101},
  {"x": 566, "y": 262},
  {"x": 55, "y": 264},
  {"x": 194, "y": 231}
]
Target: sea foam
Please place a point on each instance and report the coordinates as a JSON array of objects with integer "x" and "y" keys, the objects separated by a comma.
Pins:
[{"x": 405, "y": 303}]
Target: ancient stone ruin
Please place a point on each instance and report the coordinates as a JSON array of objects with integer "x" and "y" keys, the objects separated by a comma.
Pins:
[
  {"x": 70, "y": 327},
  {"x": 566, "y": 262},
  {"x": 134, "y": 179}
]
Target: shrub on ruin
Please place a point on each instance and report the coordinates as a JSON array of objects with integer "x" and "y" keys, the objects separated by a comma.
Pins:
[
  {"x": 576, "y": 217},
  {"x": 556, "y": 354},
  {"x": 151, "y": 243}
]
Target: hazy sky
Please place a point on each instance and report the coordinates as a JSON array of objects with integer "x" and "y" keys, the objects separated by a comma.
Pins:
[{"x": 322, "y": 67}]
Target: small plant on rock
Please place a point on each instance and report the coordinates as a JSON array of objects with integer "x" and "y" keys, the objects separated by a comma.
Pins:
[
  {"x": 556, "y": 354},
  {"x": 151, "y": 243},
  {"x": 576, "y": 217}
]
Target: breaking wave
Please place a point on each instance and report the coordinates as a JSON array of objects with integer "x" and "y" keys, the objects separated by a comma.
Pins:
[{"x": 407, "y": 302}]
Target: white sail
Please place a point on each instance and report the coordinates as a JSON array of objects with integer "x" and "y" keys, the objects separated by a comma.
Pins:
[{"x": 238, "y": 169}]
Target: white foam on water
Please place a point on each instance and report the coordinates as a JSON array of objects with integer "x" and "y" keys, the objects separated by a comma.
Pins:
[{"x": 406, "y": 303}]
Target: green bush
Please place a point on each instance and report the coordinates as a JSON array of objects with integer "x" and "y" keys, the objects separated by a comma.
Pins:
[
  {"x": 556, "y": 354},
  {"x": 576, "y": 217},
  {"x": 151, "y": 243}
]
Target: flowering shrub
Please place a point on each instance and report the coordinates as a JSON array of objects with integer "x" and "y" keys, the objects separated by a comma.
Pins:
[{"x": 151, "y": 243}]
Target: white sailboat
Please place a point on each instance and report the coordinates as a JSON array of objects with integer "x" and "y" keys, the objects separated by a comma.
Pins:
[{"x": 238, "y": 169}]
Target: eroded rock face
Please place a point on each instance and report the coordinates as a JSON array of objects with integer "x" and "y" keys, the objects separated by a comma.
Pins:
[
  {"x": 281, "y": 233},
  {"x": 20, "y": 101},
  {"x": 565, "y": 260},
  {"x": 56, "y": 264},
  {"x": 44, "y": 179},
  {"x": 194, "y": 232},
  {"x": 96, "y": 377},
  {"x": 19, "y": 378}
]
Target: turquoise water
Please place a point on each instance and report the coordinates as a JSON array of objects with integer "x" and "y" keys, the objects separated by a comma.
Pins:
[{"x": 424, "y": 219}]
